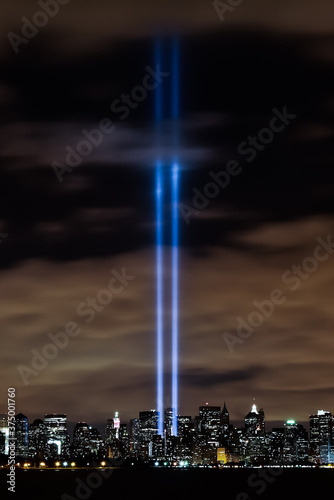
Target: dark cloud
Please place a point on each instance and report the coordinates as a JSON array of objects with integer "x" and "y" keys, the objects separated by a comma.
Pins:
[
  {"x": 65, "y": 238},
  {"x": 203, "y": 378}
]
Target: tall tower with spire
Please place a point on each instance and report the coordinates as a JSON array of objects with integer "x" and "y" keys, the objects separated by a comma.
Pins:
[
  {"x": 255, "y": 421},
  {"x": 225, "y": 417}
]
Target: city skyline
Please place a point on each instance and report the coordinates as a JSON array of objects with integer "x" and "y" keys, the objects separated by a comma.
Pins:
[
  {"x": 253, "y": 403},
  {"x": 255, "y": 214},
  {"x": 208, "y": 439}
]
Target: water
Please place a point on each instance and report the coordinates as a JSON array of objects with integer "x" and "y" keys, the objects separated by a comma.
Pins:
[{"x": 184, "y": 484}]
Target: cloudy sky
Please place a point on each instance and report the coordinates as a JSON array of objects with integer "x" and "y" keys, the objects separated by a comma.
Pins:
[{"x": 65, "y": 238}]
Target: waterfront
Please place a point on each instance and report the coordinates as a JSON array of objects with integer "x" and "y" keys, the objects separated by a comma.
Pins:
[{"x": 154, "y": 483}]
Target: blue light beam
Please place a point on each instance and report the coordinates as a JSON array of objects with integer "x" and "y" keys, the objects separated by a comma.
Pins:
[
  {"x": 175, "y": 299},
  {"x": 175, "y": 235},
  {"x": 159, "y": 277},
  {"x": 159, "y": 256}
]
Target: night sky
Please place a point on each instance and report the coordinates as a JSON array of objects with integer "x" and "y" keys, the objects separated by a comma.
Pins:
[{"x": 65, "y": 238}]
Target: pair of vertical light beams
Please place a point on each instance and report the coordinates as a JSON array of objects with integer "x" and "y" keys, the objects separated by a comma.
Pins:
[{"x": 172, "y": 169}]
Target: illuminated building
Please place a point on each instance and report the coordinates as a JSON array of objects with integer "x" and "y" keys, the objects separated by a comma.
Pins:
[
  {"x": 4, "y": 434},
  {"x": 143, "y": 432},
  {"x": 276, "y": 445},
  {"x": 134, "y": 437},
  {"x": 21, "y": 434},
  {"x": 124, "y": 439},
  {"x": 252, "y": 422},
  {"x": 148, "y": 424},
  {"x": 112, "y": 436},
  {"x": 81, "y": 440},
  {"x": 110, "y": 432},
  {"x": 257, "y": 444},
  {"x": 224, "y": 456},
  {"x": 321, "y": 437},
  {"x": 262, "y": 422},
  {"x": 185, "y": 425},
  {"x": 221, "y": 455},
  {"x": 208, "y": 421},
  {"x": 225, "y": 418},
  {"x": 95, "y": 442},
  {"x": 295, "y": 447},
  {"x": 168, "y": 421},
  {"x": 37, "y": 439},
  {"x": 57, "y": 436},
  {"x": 117, "y": 424},
  {"x": 255, "y": 422}
]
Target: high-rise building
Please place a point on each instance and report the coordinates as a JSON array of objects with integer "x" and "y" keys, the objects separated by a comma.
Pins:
[
  {"x": 226, "y": 429},
  {"x": 124, "y": 439},
  {"x": 37, "y": 439},
  {"x": 295, "y": 447},
  {"x": 225, "y": 418},
  {"x": 257, "y": 445},
  {"x": 168, "y": 421},
  {"x": 81, "y": 440},
  {"x": 58, "y": 440},
  {"x": 110, "y": 432},
  {"x": 117, "y": 424},
  {"x": 321, "y": 435},
  {"x": 148, "y": 431},
  {"x": 148, "y": 425},
  {"x": 135, "y": 437},
  {"x": 262, "y": 422},
  {"x": 184, "y": 425},
  {"x": 209, "y": 418},
  {"x": 4, "y": 434},
  {"x": 276, "y": 445},
  {"x": 22, "y": 435},
  {"x": 252, "y": 422},
  {"x": 95, "y": 442}
]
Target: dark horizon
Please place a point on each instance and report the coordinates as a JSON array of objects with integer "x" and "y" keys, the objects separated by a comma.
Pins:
[{"x": 257, "y": 109}]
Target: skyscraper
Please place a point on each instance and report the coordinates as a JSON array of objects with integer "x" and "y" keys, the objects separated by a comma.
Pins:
[
  {"x": 321, "y": 437},
  {"x": 58, "y": 439},
  {"x": 110, "y": 432},
  {"x": 81, "y": 440},
  {"x": 252, "y": 422},
  {"x": 209, "y": 417},
  {"x": 37, "y": 439},
  {"x": 4, "y": 434},
  {"x": 22, "y": 434},
  {"x": 225, "y": 418},
  {"x": 295, "y": 447}
]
